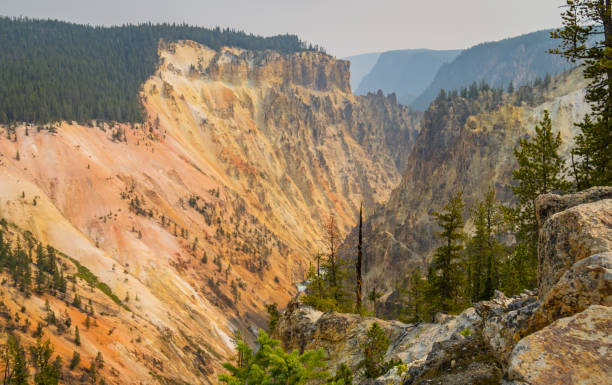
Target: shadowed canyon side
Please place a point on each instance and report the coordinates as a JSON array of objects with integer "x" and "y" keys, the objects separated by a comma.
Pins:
[
  {"x": 207, "y": 211},
  {"x": 464, "y": 145},
  {"x": 559, "y": 336}
]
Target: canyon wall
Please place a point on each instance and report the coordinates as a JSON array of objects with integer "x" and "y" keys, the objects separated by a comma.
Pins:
[
  {"x": 209, "y": 210},
  {"x": 464, "y": 145}
]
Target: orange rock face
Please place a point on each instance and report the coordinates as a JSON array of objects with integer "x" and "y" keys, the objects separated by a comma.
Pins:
[{"x": 207, "y": 211}]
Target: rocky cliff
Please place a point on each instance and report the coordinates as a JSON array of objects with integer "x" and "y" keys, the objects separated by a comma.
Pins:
[
  {"x": 559, "y": 335},
  {"x": 207, "y": 211},
  {"x": 464, "y": 145}
]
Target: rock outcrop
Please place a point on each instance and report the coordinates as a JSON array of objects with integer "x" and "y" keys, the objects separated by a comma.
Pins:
[
  {"x": 572, "y": 234},
  {"x": 341, "y": 336},
  {"x": 568, "y": 337},
  {"x": 588, "y": 282},
  {"x": 549, "y": 204},
  {"x": 560, "y": 336},
  {"x": 572, "y": 350},
  {"x": 503, "y": 321}
]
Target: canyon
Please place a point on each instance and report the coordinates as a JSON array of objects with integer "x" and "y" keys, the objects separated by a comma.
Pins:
[
  {"x": 464, "y": 145},
  {"x": 201, "y": 215},
  {"x": 175, "y": 233}
]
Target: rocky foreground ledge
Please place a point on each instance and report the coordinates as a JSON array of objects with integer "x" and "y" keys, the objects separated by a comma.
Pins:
[{"x": 561, "y": 335}]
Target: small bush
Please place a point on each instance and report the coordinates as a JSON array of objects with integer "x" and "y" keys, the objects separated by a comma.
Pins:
[
  {"x": 76, "y": 358},
  {"x": 374, "y": 350}
]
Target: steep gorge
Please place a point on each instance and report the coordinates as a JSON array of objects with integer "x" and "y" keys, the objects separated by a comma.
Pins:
[
  {"x": 464, "y": 145},
  {"x": 207, "y": 211}
]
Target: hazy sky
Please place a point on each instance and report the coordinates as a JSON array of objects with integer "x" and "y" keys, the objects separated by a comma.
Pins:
[{"x": 343, "y": 27}]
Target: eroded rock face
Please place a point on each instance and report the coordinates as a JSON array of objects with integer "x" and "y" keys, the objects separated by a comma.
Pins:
[
  {"x": 341, "y": 336},
  {"x": 458, "y": 360},
  {"x": 308, "y": 69},
  {"x": 588, "y": 282},
  {"x": 569, "y": 236},
  {"x": 242, "y": 158},
  {"x": 549, "y": 204},
  {"x": 503, "y": 320},
  {"x": 572, "y": 350}
]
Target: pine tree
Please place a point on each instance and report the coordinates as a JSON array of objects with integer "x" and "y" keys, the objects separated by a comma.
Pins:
[
  {"x": 359, "y": 281},
  {"x": 77, "y": 336},
  {"x": 540, "y": 170},
  {"x": 344, "y": 376},
  {"x": 47, "y": 372},
  {"x": 99, "y": 360},
  {"x": 483, "y": 250},
  {"x": 62, "y": 284},
  {"x": 75, "y": 360},
  {"x": 326, "y": 290},
  {"x": 273, "y": 315},
  {"x": 415, "y": 296},
  {"x": 586, "y": 36},
  {"x": 15, "y": 362},
  {"x": 270, "y": 364},
  {"x": 445, "y": 277},
  {"x": 40, "y": 281},
  {"x": 333, "y": 266},
  {"x": 374, "y": 350},
  {"x": 41, "y": 258},
  {"x": 92, "y": 372},
  {"x": 77, "y": 301}
]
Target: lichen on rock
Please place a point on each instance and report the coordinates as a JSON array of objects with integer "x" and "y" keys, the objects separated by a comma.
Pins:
[
  {"x": 572, "y": 350},
  {"x": 572, "y": 234}
]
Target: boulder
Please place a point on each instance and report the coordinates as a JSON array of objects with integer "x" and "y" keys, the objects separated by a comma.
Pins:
[
  {"x": 340, "y": 335},
  {"x": 572, "y": 350},
  {"x": 457, "y": 360},
  {"x": 569, "y": 236},
  {"x": 504, "y": 319},
  {"x": 417, "y": 341},
  {"x": 588, "y": 282},
  {"x": 549, "y": 204},
  {"x": 296, "y": 326}
]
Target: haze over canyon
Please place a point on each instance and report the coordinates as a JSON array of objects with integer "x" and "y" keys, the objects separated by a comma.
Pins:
[{"x": 189, "y": 205}]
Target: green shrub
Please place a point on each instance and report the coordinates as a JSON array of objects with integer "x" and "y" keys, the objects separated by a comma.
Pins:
[
  {"x": 374, "y": 350},
  {"x": 270, "y": 364}
]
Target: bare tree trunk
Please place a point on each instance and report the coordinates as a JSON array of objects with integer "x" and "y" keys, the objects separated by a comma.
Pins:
[{"x": 359, "y": 261}]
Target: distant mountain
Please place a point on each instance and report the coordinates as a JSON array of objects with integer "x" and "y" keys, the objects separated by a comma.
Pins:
[
  {"x": 405, "y": 72},
  {"x": 519, "y": 60},
  {"x": 360, "y": 66}
]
